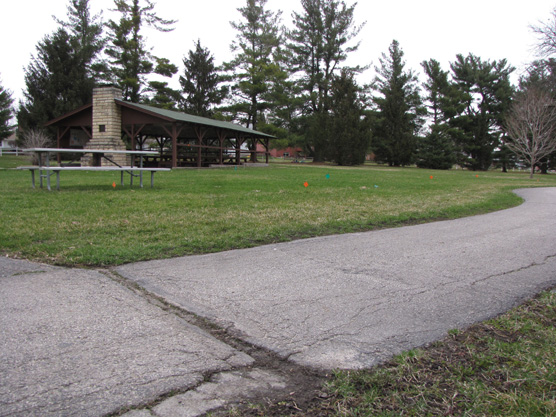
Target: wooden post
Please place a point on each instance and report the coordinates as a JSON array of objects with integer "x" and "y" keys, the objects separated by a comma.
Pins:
[
  {"x": 200, "y": 135},
  {"x": 174, "y": 146},
  {"x": 239, "y": 142},
  {"x": 174, "y": 133},
  {"x": 59, "y": 135},
  {"x": 221, "y": 138}
]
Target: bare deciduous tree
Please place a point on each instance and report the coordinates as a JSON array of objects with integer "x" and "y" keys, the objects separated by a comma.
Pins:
[
  {"x": 35, "y": 138},
  {"x": 531, "y": 126},
  {"x": 546, "y": 34}
]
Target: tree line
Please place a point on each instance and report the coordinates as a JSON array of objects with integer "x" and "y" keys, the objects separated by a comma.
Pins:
[{"x": 295, "y": 84}]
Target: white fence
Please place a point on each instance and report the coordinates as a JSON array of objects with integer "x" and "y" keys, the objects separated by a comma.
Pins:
[{"x": 11, "y": 151}]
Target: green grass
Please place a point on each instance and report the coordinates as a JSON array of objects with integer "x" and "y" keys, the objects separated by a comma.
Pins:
[
  {"x": 13, "y": 161},
  {"x": 503, "y": 367},
  {"x": 88, "y": 222}
]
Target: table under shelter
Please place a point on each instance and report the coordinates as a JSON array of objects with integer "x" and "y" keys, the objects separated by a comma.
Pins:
[
  {"x": 179, "y": 139},
  {"x": 46, "y": 170}
]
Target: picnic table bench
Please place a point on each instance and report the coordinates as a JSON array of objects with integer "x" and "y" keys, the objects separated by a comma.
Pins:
[{"x": 46, "y": 170}]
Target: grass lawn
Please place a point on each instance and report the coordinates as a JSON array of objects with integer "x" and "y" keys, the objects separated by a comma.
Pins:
[
  {"x": 90, "y": 223},
  {"x": 501, "y": 367}
]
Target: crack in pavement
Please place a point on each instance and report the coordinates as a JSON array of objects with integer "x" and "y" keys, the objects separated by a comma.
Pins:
[
  {"x": 523, "y": 268},
  {"x": 266, "y": 361}
]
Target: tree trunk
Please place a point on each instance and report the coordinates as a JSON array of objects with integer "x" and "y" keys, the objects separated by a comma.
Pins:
[{"x": 533, "y": 162}]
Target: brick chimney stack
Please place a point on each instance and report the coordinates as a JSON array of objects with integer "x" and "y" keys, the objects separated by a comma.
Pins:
[{"x": 107, "y": 127}]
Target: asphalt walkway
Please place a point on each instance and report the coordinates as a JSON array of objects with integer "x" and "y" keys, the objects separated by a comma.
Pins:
[{"x": 90, "y": 343}]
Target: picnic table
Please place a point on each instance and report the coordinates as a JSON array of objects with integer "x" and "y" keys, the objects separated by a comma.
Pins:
[{"x": 45, "y": 170}]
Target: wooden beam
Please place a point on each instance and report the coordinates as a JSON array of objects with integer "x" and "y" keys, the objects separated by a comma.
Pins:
[
  {"x": 174, "y": 133},
  {"x": 200, "y": 132},
  {"x": 59, "y": 137},
  {"x": 239, "y": 142},
  {"x": 87, "y": 131},
  {"x": 221, "y": 137}
]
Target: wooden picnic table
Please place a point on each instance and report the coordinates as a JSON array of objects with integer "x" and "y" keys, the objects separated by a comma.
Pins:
[{"x": 46, "y": 170}]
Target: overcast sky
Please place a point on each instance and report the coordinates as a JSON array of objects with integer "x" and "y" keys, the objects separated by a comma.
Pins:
[{"x": 439, "y": 29}]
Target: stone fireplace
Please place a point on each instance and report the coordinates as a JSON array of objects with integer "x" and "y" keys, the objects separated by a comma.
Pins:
[{"x": 107, "y": 128}]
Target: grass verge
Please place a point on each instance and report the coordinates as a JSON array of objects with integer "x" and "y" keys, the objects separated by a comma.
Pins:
[
  {"x": 91, "y": 223},
  {"x": 502, "y": 367}
]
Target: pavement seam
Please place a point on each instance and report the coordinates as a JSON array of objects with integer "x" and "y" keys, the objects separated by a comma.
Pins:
[{"x": 264, "y": 359}]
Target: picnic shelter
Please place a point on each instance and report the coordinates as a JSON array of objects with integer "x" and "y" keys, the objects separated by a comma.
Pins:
[{"x": 180, "y": 139}]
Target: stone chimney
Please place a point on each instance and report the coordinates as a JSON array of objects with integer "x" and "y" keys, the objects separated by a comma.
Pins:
[{"x": 107, "y": 127}]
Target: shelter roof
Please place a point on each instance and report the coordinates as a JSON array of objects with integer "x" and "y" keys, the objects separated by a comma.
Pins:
[
  {"x": 143, "y": 113},
  {"x": 175, "y": 116},
  {"x": 80, "y": 116}
]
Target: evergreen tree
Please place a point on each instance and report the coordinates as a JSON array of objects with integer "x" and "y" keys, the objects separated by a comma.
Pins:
[
  {"x": 200, "y": 83},
  {"x": 54, "y": 82},
  {"x": 130, "y": 59},
  {"x": 481, "y": 95},
  {"x": 255, "y": 67},
  {"x": 284, "y": 119},
  {"x": 436, "y": 149},
  {"x": 542, "y": 74},
  {"x": 437, "y": 87},
  {"x": 62, "y": 74},
  {"x": 504, "y": 158},
  {"x": 87, "y": 37},
  {"x": 395, "y": 139},
  {"x": 6, "y": 113},
  {"x": 348, "y": 133},
  {"x": 319, "y": 44},
  {"x": 159, "y": 93}
]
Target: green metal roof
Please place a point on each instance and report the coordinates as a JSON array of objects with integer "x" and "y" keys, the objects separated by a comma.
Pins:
[{"x": 175, "y": 116}]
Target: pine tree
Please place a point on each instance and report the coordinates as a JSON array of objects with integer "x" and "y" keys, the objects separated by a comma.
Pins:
[
  {"x": 401, "y": 110},
  {"x": 200, "y": 83},
  {"x": 66, "y": 67},
  {"x": 130, "y": 59},
  {"x": 87, "y": 33},
  {"x": 54, "y": 82},
  {"x": 319, "y": 44},
  {"x": 6, "y": 113},
  {"x": 159, "y": 93},
  {"x": 480, "y": 96},
  {"x": 255, "y": 69},
  {"x": 348, "y": 132},
  {"x": 436, "y": 149}
]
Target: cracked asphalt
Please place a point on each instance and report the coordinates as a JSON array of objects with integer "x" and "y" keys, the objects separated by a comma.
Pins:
[{"x": 90, "y": 343}]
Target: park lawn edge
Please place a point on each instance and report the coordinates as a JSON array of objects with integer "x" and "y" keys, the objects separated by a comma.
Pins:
[
  {"x": 457, "y": 213},
  {"x": 500, "y": 366}
]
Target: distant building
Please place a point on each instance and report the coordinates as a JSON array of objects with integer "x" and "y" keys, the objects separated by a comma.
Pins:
[
  {"x": 9, "y": 142},
  {"x": 288, "y": 152}
]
